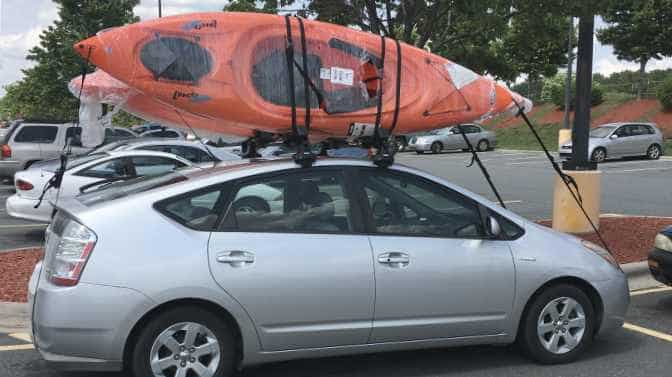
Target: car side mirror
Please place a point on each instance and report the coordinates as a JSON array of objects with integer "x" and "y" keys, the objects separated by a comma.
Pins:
[
  {"x": 493, "y": 228},
  {"x": 614, "y": 136}
]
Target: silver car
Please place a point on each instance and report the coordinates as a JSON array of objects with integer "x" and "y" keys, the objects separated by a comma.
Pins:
[
  {"x": 617, "y": 140},
  {"x": 199, "y": 272},
  {"x": 27, "y": 143},
  {"x": 450, "y": 138}
]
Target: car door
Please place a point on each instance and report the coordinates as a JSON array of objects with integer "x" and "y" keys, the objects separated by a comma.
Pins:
[
  {"x": 451, "y": 138},
  {"x": 288, "y": 250},
  {"x": 437, "y": 274},
  {"x": 618, "y": 146},
  {"x": 474, "y": 134},
  {"x": 639, "y": 141}
]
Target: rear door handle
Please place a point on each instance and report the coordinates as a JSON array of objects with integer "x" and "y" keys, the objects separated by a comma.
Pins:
[
  {"x": 235, "y": 258},
  {"x": 394, "y": 259}
]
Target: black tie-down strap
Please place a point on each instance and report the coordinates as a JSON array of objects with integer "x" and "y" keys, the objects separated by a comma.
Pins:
[
  {"x": 384, "y": 156},
  {"x": 303, "y": 156},
  {"x": 475, "y": 158},
  {"x": 568, "y": 180}
]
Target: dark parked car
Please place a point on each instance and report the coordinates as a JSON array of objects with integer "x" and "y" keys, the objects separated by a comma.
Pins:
[{"x": 660, "y": 258}]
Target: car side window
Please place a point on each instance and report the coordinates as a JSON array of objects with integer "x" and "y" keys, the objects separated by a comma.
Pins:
[
  {"x": 196, "y": 210},
  {"x": 510, "y": 229},
  {"x": 36, "y": 134},
  {"x": 404, "y": 205},
  {"x": 312, "y": 202},
  {"x": 152, "y": 165},
  {"x": 113, "y": 168},
  {"x": 623, "y": 131}
]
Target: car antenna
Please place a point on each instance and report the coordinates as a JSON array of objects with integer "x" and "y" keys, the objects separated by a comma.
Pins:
[
  {"x": 207, "y": 148},
  {"x": 57, "y": 178},
  {"x": 567, "y": 179}
]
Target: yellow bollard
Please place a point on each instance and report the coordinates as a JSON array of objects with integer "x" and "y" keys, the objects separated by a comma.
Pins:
[
  {"x": 564, "y": 136},
  {"x": 567, "y": 216}
]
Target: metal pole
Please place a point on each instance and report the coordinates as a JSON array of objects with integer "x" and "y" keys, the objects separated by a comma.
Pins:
[
  {"x": 568, "y": 79},
  {"x": 160, "y": 8},
  {"x": 584, "y": 76}
]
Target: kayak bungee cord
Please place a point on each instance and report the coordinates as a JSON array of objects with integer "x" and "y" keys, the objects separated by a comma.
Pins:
[
  {"x": 474, "y": 157},
  {"x": 568, "y": 180},
  {"x": 57, "y": 178},
  {"x": 198, "y": 137}
]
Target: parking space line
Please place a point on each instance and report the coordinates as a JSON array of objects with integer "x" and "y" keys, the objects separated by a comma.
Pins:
[
  {"x": 649, "y": 332},
  {"x": 18, "y": 347},
  {"x": 23, "y": 336},
  {"x": 22, "y": 226},
  {"x": 651, "y": 290},
  {"x": 634, "y": 170}
]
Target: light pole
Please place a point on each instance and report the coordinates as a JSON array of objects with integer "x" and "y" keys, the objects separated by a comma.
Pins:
[
  {"x": 568, "y": 79},
  {"x": 159, "y": 8}
]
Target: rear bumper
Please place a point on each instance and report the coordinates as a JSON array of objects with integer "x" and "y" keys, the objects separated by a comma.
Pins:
[
  {"x": 84, "y": 327},
  {"x": 8, "y": 168},
  {"x": 24, "y": 208},
  {"x": 660, "y": 265}
]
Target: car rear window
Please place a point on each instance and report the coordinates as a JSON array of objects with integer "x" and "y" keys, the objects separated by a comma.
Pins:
[
  {"x": 129, "y": 187},
  {"x": 36, "y": 134}
]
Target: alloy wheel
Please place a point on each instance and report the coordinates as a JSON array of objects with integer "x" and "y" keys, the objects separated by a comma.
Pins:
[
  {"x": 653, "y": 152},
  {"x": 185, "y": 349},
  {"x": 599, "y": 155},
  {"x": 561, "y": 325}
]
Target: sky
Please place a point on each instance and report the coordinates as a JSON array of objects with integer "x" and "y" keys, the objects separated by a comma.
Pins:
[{"x": 18, "y": 33}]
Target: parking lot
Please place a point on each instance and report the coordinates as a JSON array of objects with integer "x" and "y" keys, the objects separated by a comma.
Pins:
[{"x": 642, "y": 348}]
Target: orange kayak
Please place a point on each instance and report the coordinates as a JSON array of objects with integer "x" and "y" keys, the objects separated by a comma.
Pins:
[
  {"x": 99, "y": 87},
  {"x": 232, "y": 67}
]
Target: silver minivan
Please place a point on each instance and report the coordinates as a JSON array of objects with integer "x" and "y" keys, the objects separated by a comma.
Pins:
[
  {"x": 25, "y": 143},
  {"x": 201, "y": 271}
]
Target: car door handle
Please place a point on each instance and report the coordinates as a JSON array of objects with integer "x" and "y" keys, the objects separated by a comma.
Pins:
[
  {"x": 394, "y": 259},
  {"x": 235, "y": 258}
]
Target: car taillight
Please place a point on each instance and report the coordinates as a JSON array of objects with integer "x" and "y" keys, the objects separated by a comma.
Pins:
[
  {"x": 23, "y": 185},
  {"x": 6, "y": 151},
  {"x": 68, "y": 252}
]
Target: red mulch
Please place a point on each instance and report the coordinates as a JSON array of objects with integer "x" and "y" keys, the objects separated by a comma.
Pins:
[
  {"x": 630, "y": 111},
  {"x": 664, "y": 122},
  {"x": 15, "y": 270},
  {"x": 629, "y": 238}
]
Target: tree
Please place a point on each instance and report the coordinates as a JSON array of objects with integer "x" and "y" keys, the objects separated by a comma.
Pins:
[
  {"x": 264, "y": 6},
  {"x": 43, "y": 92},
  {"x": 639, "y": 30}
]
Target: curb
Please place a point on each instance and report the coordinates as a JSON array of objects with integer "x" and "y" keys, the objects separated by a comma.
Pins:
[{"x": 14, "y": 316}]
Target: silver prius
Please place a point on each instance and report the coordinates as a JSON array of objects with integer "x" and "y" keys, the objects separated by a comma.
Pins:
[{"x": 197, "y": 272}]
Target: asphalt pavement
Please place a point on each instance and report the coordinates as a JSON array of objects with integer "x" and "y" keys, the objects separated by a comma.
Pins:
[
  {"x": 525, "y": 181},
  {"x": 643, "y": 349},
  {"x": 16, "y": 233}
]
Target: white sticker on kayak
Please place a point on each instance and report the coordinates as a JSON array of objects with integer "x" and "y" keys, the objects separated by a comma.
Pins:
[
  {"x": 460, "y": 76},
  {"x": 337, "y": 75}
]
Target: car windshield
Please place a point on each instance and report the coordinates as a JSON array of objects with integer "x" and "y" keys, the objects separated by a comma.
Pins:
[
  {"x": 603, "y": 131},
  {"x": 132, "y": 186},
  {"x": 107, "y": 147}
]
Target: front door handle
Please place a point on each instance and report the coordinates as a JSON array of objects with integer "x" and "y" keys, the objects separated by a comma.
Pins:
[
  {"x": 394, "y": 259},
  {"x": 235, "y": 258}
]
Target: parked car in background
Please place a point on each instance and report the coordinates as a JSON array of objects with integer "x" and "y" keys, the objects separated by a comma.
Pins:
[
  {"x": 660, "y": 258},
  {"x": 113, "y": 134},
  {"x": 617, "y": 140},
  {"x": 26, "y": 143},
  {"x": 81, "y": 172},
  {"x": 193, "y": 151},
  {"x": 138, "y": 129},
  {"x": 166, "y": 133},
  {"x": 180, "y": 275},
  {"x": 450, "y": 138}
]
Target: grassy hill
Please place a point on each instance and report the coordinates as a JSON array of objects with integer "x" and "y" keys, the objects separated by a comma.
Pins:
[{"x": 512, "y": 133}]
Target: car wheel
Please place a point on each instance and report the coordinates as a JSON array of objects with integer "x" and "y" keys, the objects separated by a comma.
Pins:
[
  {"x": 654, "y": 152},
  {"x": 483, "y": 145},
  {"x": 186, "y": 341},
  {"x": 599, "y": 155},
  {"x": 558, "y": 325},
  {"x": 436, "y": 147}
]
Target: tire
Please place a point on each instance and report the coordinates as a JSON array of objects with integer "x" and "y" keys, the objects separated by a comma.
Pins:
[
  {"x": 654, "y": 152},
  {"x": 151, "y": 342},
  {"x": 483, "y": 145},
  {"x": 567, "y": 327},
  {"x": 599, "y": 155},
  {"x": 436, "y": 147}
]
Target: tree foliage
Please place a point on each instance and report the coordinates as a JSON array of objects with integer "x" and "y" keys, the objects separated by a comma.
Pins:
[
  {"x": 554, "y": 91},
  {"x": 43, "y": 92},
  {"x": 664, "y": 94}
]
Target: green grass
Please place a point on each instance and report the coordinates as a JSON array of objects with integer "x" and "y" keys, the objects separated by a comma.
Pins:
[
  {"x": 668, "y": 147},
  {"x": 520, "y": 137}
]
